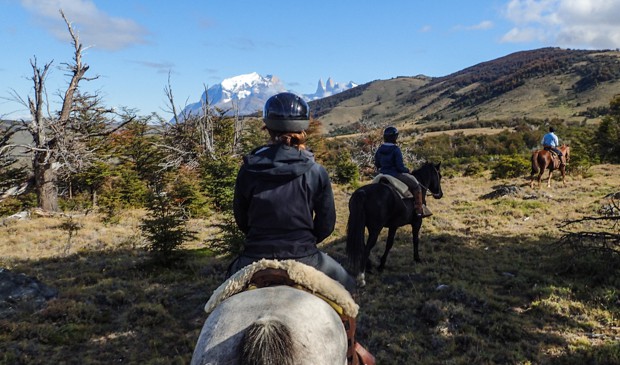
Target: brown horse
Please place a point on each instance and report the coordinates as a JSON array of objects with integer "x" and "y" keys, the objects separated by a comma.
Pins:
[{"x": 547, "y": 160}]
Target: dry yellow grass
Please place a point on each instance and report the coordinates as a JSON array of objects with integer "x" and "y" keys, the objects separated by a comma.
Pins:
[{"x": 489, "y": 289}]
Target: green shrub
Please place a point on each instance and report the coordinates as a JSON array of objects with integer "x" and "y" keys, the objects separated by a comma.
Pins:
[
  {"x": 16, "y": 204},
  {"x": 475, "y": 169},
  {"x": 510, "y": 167},
  {"x": 345, "y": 170},
  {"x": 230, "y": 240},
  {"x": 219, "y": 177},
  {"x": 186, "y": 188}
]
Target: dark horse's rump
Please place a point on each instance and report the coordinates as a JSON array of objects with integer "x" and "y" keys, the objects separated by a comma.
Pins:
[{"x": 376, "y": 206}]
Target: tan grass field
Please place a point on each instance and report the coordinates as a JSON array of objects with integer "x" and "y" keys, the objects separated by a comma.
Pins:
[{"x": 491, "y": 288}]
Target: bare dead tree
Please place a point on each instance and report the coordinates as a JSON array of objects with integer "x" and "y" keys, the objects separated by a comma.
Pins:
[
  {"x": 602, "y": 233},
  {"x": 238, "y": 127},
  {"x": 206, "y": 128},
  {"x": 61, "y": 140},
  {"x": 191, "y": 136},
  {"x": 364, "y": 144}
]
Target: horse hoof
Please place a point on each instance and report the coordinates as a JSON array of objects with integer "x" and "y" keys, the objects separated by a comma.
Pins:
[{"x": 361, "y": 280}]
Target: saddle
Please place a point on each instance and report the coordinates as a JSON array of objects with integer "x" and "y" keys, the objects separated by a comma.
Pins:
[
  {"x": 401, "y": 188},
  {"x": 555, "y": 158}
]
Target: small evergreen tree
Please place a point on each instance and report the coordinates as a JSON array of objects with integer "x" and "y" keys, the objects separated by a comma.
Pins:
[
  {"x": 165, "y": 225},
  {"x": 608, "y": 134}
]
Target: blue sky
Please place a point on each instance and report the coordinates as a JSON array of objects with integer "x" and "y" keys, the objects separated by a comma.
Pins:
[{"x": 133, "y": 45}]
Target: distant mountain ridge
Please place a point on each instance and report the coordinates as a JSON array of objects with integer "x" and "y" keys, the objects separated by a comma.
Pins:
[
  {"x": 544, "y": 83},
  {"x": 328, "y": 89},
  {"x": 248, "y": 93}
]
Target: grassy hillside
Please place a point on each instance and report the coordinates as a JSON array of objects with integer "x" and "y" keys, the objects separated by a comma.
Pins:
[
  {"x": 492, "y": 287},
  {"x": 541, "y": 84}
]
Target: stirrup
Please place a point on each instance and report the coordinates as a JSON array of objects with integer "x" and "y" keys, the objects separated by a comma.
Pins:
[
  {"x": 364, "y": 356},
  {"x": 427, "y": 212}
]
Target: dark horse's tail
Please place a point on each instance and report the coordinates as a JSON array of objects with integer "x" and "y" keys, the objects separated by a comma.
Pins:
[
  {"x": 355, "y": 231},
  {"x": 267, "y": 341}
]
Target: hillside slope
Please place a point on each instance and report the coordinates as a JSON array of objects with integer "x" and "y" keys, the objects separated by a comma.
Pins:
[{"x": 545, "y": 83}]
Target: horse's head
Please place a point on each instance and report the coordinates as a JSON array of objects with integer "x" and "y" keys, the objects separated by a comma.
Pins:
[
  {"x": 565, "y": 148},
  {"x": 429, "y": 175}
]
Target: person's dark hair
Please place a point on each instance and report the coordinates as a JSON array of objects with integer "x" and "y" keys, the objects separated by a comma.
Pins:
[
  {"x": 293, "y": 139},
  {"x": 551, "y": 129}
]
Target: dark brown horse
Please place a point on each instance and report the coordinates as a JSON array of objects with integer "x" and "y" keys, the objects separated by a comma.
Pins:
[
  {"x": 546, "y": 160},
  {"x": 375, "y": 206}
]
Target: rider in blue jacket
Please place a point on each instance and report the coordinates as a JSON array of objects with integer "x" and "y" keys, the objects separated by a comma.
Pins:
[
  {"x": 550, "y": 142},
  {"x": 389, "y": 161}
]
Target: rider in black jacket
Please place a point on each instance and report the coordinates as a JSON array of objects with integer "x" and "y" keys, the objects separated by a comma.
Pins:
[{"x": 283, "y": 199}]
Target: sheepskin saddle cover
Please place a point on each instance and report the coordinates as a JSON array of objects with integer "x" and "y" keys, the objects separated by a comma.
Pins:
[
  {"x": 306, "y": 276},
  {"x": 399, "y": 186}
]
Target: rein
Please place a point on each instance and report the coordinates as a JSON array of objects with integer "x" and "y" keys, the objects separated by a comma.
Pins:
[{"x": 426, "y": 189}]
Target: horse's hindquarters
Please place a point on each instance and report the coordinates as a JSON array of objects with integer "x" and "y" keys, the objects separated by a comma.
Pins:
[{"x": 316, "y": 330}]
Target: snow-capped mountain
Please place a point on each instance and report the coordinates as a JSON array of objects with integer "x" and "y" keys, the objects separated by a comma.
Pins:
[{"x": 248, "y": 93}]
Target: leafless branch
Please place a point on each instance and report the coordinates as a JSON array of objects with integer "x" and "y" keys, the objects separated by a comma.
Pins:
[
  {"x": 606, "y": 239},
  {"x": 77, "y": 71}
]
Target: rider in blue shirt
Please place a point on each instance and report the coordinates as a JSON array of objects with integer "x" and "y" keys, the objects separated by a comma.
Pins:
[{"x": 550, "y": 142}]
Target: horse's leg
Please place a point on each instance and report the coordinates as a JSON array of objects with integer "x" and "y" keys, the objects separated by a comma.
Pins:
[
  {"x": 549, "y": 178},
  {"x": 539, "y": 178},
  {"x": 388, "y": 246},
  {"x": 563, "y": 171},
  {"x": 373, "y": 236},
  {"x": 366, "y": 265},
  {"x": 415, "y": 237},
  {"x": 535, "y": 168}
]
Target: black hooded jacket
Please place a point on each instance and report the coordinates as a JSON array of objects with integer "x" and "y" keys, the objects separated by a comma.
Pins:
[{"x": 283, "y": 202}]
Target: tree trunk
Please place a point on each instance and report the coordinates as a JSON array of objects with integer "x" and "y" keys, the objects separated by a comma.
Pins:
[
  {"x": 45, "y": 183},
  {"x": 93, "y": 196}
]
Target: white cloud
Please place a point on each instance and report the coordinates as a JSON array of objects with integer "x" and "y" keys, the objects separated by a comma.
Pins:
[
  {"x": 160, "y": 67},
  {"x": 523, "y": 35},
  {"x": 95, "y": 27},
  {"x": 566, "y": 23},
  {"x": 483, "y": 25}
]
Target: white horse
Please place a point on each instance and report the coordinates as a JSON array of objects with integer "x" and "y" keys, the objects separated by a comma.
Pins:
[{"x": 275, "y": 324}]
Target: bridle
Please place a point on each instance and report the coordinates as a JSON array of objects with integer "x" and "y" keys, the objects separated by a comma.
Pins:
[{"x": 434, "y": 194}]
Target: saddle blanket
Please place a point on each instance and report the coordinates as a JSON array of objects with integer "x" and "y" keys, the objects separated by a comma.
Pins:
[
  {"x": 306, "y": 276},
  {"x": 401, "y": 187}
]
